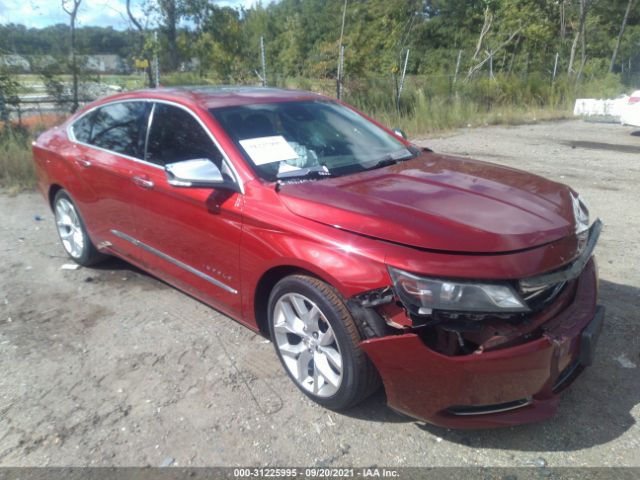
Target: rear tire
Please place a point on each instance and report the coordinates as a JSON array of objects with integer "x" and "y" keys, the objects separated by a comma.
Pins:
[
  {"x": 72, "y": 231},
  {"x": 317, "y": 342}
]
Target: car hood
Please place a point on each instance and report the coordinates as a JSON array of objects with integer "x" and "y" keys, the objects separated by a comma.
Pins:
[{"x": 440, "y": 203}]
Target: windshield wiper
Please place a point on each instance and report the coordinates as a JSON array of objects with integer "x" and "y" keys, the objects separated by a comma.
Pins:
[
  {"x": 308, "y": 173},
  {"x": 384, "y": 162},
  {"x": 318, "y": 171},
  {"x": 391, "y": 159}
]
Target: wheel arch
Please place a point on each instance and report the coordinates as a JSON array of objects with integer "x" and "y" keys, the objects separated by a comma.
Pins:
[
  {"x": 54, "y": 188},
  {"x": 267, "y": 281}
]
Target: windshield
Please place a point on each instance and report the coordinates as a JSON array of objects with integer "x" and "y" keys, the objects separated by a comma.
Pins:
[{"x": 309, "y": 138}]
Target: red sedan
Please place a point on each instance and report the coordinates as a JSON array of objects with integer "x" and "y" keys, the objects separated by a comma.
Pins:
[{"x": 468, "y": 289}]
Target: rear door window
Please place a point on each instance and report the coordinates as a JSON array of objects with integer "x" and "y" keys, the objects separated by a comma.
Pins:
[{"x": 121, "y": 128}]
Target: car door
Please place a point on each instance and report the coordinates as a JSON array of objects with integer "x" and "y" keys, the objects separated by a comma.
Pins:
[
  {"x": 191, "y": 235},
  {"x": 108, "y": 142}
]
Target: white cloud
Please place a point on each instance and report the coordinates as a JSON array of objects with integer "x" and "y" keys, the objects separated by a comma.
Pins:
[{"x": 41, "y": 13}]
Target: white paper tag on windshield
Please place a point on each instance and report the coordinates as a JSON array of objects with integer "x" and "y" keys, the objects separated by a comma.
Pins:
[
  {"x": 268, "y": 149},
  {"x": 285, "y": 168}
]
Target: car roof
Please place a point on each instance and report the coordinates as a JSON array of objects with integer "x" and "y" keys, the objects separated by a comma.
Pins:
[{"x": 221, "y": 96}]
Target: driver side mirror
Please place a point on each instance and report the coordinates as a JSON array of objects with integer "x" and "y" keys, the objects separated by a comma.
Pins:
[
  {"x": 198, "y": 173},
  {"x": 400, "y": 133}
]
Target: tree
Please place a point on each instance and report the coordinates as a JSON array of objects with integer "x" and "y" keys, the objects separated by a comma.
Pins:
[
  {"x": 71, "y": 8},
  {"x": 302, "y": 37},
  {"x": 625, "y": 19},
  {"x": 8, "y": 95},
  {"x": 170, "y": 11},
  {"x": 220, "y": 43},
  {"x": 580, "y": 36},
  {"x": 143, "y": 50}
]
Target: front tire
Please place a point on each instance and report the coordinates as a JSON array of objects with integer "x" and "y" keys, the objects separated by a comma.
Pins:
[
  {"x": 317, "y": 342},
  {"x": 72, "y": 231}
]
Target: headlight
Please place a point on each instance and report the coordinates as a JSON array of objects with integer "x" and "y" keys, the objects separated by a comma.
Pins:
[
  {"x": 580, "y": 213},
  {"x": 423, "y": 295}
]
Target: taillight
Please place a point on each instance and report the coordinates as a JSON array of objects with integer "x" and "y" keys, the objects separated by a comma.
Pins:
[{"x": 634, "y": 100}]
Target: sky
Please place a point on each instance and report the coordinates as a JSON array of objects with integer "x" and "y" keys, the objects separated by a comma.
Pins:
[{"x": 103, "y": 13}]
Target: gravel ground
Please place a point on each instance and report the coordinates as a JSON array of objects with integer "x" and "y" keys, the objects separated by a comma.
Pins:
[{"x": 110, "y": 366}]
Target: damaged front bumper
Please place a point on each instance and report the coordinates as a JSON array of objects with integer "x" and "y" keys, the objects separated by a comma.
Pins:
[{"x": 507, "y": 386}]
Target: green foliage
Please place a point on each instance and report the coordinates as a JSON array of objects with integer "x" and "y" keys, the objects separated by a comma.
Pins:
[
  {"x": 8, "y": 87},
  {"x": 54, "y": 40},
  {"x": 16, "y": 166},
  {"x": 302, "y": 37},
  {"x": 431, "y": 104},
  {"x": 186, "y": 78}
]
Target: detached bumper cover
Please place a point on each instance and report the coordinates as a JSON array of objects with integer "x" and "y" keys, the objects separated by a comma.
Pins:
[{"x": 426, "y": 385}]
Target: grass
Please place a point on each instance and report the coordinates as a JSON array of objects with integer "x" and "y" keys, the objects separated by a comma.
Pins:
[
  {"x": 32, "y": 83},
  {"x": 16, "y": 166},
  {"x": 435, "y": 104},
  {"x": 450, "y": 115}
]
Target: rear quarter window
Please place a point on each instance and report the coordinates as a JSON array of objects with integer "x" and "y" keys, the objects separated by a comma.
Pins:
[{"x": 82, "y": 128}]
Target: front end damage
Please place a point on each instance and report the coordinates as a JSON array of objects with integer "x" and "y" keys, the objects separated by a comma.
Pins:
[{"x": 466, "y": 370}]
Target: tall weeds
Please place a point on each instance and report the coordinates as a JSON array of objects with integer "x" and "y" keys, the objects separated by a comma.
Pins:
[
  {"x": 16, "y": 167},
  {"x": 430, "y": 104}
]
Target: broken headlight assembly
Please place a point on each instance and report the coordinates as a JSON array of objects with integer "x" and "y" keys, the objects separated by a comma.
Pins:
[{"x": 423, "y": 295}]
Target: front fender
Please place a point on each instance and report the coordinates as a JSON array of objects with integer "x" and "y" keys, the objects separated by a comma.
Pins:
[{"x": 349, "y": 263}]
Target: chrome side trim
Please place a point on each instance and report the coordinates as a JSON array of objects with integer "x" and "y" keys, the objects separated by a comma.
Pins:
[
  {"x": 225, "y": 157},
  {"x": 174, "y": 261}
]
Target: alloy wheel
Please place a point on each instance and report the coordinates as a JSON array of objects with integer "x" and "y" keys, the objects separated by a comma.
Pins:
[
  {"x": 307, "y": 345},
  {"x": 69, "y": 228}
]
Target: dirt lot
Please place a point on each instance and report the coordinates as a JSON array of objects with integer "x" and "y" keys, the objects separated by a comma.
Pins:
[{"x": 109, "y": 366}]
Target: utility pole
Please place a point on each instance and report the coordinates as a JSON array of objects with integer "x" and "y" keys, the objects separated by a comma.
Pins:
[
  {"x": 264, "y": 62},
  {"x": 555, "y": 68},
  {"x": 340, "y": 72},
  {"x": 156, "y": 62},
  {"x": 404, "y": 73},
  {"x": 341, "y": 53},
  {"x": 71, "y": 8}
]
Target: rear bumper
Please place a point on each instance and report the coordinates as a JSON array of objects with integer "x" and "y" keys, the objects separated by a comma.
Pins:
[{"x": 505, "y": 387}]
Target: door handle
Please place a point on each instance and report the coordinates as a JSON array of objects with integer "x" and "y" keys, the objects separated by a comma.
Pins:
[
  {"x": 83, "y": 162},
  {"x": 142, "y": 182}
]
